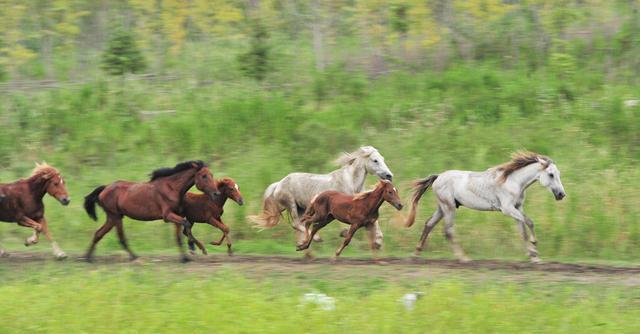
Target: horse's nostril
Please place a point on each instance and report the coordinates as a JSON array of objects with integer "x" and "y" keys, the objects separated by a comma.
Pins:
[{"x": 389, "y": 177}]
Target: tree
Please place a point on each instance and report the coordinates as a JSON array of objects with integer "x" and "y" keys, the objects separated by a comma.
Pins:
[
  {"x": 255, "y": 62},
  {"x": 122, "y": 54}
]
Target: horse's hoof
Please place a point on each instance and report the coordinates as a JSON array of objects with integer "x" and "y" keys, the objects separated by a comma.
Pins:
[
  {"x": 133, "y": 258},
  {"x": 230, "y": 252},
  {"x": 192, "y": 253},
  {"x": 381, "y": 262},
  {"x": 87, "y": 259},
  {"x": 377, "y": 246},
  {"x": 317, "y": 238},
  {"x": 3, "y": 253},
  {"x": 204, "y": 252},
  {"x": 416, "y": 253},
  {"x": 185, "y": 259},
  {"x": 343, "y": 233},
  {"x": 61, "y": 256},
  {"x": 137, "y": 260},
  {"x": 536, "y": 260},
  {"x": 333, "y": 260}
]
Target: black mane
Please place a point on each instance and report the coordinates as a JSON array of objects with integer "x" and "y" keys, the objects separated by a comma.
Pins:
[{"x": 168, "y": 171}]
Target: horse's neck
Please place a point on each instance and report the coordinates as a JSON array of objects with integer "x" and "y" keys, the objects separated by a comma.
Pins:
[
  {"x": 373, "y": 201},
  {"x": 352, "y": 176},
  {"x": 182, "y": 181},
  {"x": 220, "y": 200},
  {"x": 525, "y": 176},
  {"x": 38, "y": 186}
]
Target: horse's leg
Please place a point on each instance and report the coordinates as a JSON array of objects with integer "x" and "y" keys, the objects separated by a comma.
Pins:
[
  {"x": 104, "y": 229},
  {"x": 374, "y": 234},
  {"x": 28, "y": 222},
  {"x": 449, "y": 232},
  {"x": 171, "y": 217},
  {"x": 45, "y": 228},
  {"x": 347, "y": 238},
  {"x": 183, "y": 255},
  {"x": 521, "y": 220},
  {"x": 122, "y": 238},
  {"x": 225, "y": 234},
  {"x": 317, "y": 226},
  {"x": 428, "y": 226}
]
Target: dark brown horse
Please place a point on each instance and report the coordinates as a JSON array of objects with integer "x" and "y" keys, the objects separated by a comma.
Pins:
[
  {"x": 200, "y": 208},
  {"x": 160, "y": 198},
  {"x": 22, "y": 203},
  {"x": 357, "y": 210}
]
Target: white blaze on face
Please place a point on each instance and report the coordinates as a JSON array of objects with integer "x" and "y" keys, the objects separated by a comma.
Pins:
[{"x": 237, "y": 188}]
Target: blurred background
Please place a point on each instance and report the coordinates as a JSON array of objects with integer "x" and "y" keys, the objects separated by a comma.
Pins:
[{"x": 108, "y": 90}]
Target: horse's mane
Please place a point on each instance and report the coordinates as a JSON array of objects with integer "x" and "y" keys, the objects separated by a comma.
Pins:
[
  {"x": 366, "y": 194},
  {"x": 520, "y": 159},
  {"x": 226, "y": 181},
  {"x": 44, "y": 170},
  {"x": 168, "y": 171},
  {"x": 347, "y": 158}
]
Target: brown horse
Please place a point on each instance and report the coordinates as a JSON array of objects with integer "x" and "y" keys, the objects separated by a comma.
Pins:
[
  {"x": 160, "y": 198},
  {"x": 200, "y": 208},
  {"x": 22, "y": 203},
  {"x": 357, "y": 210}
]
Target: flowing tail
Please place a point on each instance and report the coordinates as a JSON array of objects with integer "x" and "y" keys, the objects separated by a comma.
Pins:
[
  {"x": 420, "y": 187},
  {"x": 271, "y": 210},
  {"x": 90, "y": 202}
]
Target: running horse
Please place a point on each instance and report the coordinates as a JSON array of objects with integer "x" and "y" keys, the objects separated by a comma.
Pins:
[
  {"x": 358, "y": 210},
  {"x": 200, "y": 208},
  {"x": 159, "y": 198},
  {"x": 500, "y": 188},
  {"x": 294, "y": 192},
  {"x": 21, "y": 202}
]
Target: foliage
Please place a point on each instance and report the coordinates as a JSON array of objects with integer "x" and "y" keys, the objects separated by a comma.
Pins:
[
  {"x": 122, "y": 55},
  {"x": 255, "y": 63}
]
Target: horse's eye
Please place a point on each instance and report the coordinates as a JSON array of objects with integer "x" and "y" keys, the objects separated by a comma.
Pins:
[
  {"x": 551, "y": 175},
  {"x": 376, "y": 160},
  {"x": 204, "y": 176}
]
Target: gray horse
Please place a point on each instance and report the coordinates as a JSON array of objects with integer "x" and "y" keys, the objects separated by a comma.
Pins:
[
  {"x": 500, "y": 188},
  {"x": 294, "y": 192}
]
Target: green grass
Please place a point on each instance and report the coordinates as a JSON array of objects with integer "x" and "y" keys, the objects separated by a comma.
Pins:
[{"x": 156, "y": 298}]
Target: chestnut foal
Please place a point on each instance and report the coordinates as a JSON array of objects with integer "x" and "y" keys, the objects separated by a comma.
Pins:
[
  {"x": 21, "y": 202},
  {"x": 358, "y": 210},
  {"x": 200, "y": 208}
]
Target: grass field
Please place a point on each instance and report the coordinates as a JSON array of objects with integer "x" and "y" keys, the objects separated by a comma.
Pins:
[{"x": 44, "y": 296}]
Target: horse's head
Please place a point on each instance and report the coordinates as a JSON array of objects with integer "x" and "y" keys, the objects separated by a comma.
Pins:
[
  {"x": 229, "y": 188},
  {"x": 204, "y": 182},
  {"x": 390, "y": 194},
  {"x": 549, "y": 178},
  {"x": 52, "y": 182},
  {"x": 374, "y": 163}
]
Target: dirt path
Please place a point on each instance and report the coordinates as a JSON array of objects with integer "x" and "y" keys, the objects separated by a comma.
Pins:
[{"x": 258, "y": 260}]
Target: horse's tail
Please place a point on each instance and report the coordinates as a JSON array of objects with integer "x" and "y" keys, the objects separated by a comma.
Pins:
[
  {"x": 271, "y": 210},
  {"x": 90, "y": 202},
  {"x": 419, "y": 188}
]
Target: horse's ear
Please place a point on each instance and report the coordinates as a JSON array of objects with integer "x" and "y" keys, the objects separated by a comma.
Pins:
[
  {"x": 545, "y": 163},
  {"x": 194, "y": 165}
]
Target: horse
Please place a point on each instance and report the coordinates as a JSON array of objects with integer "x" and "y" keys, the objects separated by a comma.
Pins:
[
  {"x": 22, "y": 203},
  {"x": 159, "y": 198},
  {"x": 500, "y": 188},
  {"x": 200, "y": 208},
  {"x": 294, "y": 192},
  {"x": 356, "y": 210}
]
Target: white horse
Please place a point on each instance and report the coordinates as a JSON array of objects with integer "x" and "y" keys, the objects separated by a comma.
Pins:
[
  {"x": 294, "y": 192},
  {"x": 500, "y": 188}
]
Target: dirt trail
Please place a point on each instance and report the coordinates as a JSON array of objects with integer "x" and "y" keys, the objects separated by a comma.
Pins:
[{"x": 391, "y": 262}]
